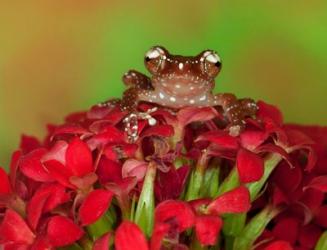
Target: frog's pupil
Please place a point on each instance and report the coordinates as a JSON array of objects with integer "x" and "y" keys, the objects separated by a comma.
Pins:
[
  {"x": 218, "y": 64},
  {"x": 147, "y": 58}
]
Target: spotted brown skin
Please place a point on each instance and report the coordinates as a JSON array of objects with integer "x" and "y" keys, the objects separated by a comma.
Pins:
[{"x": 179, "y": 81}]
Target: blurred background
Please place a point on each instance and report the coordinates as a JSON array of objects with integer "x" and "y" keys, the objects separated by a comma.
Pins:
[{"x": 60, "y": 56}]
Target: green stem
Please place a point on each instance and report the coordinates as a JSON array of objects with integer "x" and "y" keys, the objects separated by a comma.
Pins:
[
  {"x": 254, "y": 228},
  {"x": 145, "y": 207},
  {"x": 322, "y": 242},
  {"x": 101, "y": 226},
  {"x": 197, "y": 177},
  {"x": 271, "y": 161}
]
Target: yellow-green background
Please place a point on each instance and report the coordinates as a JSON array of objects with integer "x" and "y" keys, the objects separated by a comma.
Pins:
[{"x": 59, "y": 56}]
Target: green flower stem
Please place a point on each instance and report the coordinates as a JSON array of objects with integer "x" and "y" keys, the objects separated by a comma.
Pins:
[
  {"x": 234, "y": 224},
  {"x": 71, "y": 247},
  {"x": 197, "y": 176},
  {"x": 102, "y": 225},
  {"x": 86, "y": 243},
  {"x": 322, "y": 242},
  {"x": 271, "y": 161},
  {"x": 230, "y": 182},
  {"x": 145, "y": 208},
  {"x": 211, "y": 182},
  {"x": 254, "y": 229}
]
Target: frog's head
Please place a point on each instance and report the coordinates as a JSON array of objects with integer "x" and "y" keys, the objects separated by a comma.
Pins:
[{"x": 178, "y": 75}]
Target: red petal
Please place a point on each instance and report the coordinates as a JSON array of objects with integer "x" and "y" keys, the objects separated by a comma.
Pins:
[
  {"x": 159, "y": 130},
  {"x": 102, "y": 243},
  {"x": 94, "y": 206},
  {"x": 41, "y": 244},
  {"x": 297, "y": 137},
  {"x": 279, "y": 245},
  {"x": 59, "y": 172},
  {"x": 171, "y": 184},
  {"x": 287, "y": 229},
  {"x": 177, "y": 212},
  {"x": 321, "y": 216},
  {"x": 31, "y": 166},
  {"x": 70, "y": 129},
  {"x": 220, "y": 138},
  {"x": 57, "y": 196},
  {"x": 287, "y": 179},
  {"x": 57, "y": 152},
  {"x": 14, "y": 228},
  {"x": 110, "y": 135},
  {"x": 29, "y": 143},
  {"x": 134, "y": 168},
  {"x": 312, "y": 198},
  {"x": 159, "y": 232},
  {"x": 4, "y": 182},
  {"x": 109, "y": 171},
  {"x": 207, "y": 229},
  {"x": 75, "y": 117},
  {"x": 309, "y": 235},
  {"x": 18, "y": 246},
  {"x": 14, "y": 164},
  {"x": 129, "y": 237},
  {"x": 319, "y": 183},
  {"x": 194, "y": 114},
  {"x": 62, "y": 231},
  {"x": 249, "y": 165},
  {"x": 311, "y": 155},
  {"x": 35, "y": 207},
  {"x": 234, "y": 201},
  {"x": 267, "y": 111},
  {"x": 275, "y": 149},
  {"x": 251, "y": 139},
  {"x": 79, "y": 158},
  {"x": 122, "y": 187},
  {"x": 279, "y": 197}
]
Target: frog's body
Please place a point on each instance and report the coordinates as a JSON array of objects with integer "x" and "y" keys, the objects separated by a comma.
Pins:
[{"x": 179, "y": 81}]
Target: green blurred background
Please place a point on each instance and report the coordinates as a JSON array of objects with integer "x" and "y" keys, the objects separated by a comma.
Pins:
[{"x": 59, "y": 56}]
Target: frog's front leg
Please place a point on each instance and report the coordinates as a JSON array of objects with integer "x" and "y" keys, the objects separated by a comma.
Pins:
[
  {"x": 133, "y": 78},
  {"x": 235, "y": 110},
  {"x": 137, "y": 83}
]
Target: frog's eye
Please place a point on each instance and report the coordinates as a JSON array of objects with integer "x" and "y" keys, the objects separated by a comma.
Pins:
[
  {"x": 154, "y": 59},
  {"x": 211, "y": 63}
]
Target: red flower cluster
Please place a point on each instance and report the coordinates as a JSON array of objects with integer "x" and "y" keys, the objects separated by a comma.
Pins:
[{"x": 166, "y": 179}]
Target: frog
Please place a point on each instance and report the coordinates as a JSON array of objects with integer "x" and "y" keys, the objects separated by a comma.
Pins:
[{"x": 178, "y": 81}]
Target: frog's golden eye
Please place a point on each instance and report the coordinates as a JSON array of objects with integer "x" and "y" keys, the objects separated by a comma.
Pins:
[
  {"x": 154, "y": 58},
  {"x": 211, "y": 63}
]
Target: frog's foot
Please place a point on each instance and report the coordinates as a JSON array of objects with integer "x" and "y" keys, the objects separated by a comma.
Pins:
[
  {"x": 112, "y": 103},
  {"x": 249, "y": 107},
  {"x": 236, "y": 110},
  {"x": 131, "y": 123}
]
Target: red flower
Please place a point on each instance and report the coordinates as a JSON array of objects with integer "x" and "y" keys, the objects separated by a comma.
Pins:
[
  {"x": 87, "y": 174},
  {"x": 129, "y": 237}
]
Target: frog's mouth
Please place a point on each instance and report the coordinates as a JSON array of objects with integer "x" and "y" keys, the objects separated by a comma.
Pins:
[{"x": 180, "y": 87}]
